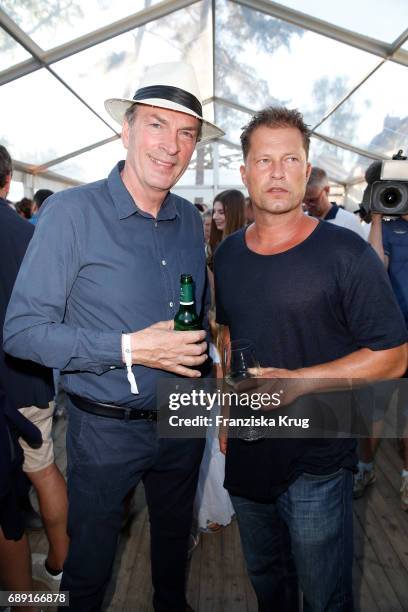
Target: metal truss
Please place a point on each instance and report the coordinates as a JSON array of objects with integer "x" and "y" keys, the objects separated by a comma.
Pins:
[
  {"x": 42, "y": 168},
  {"x": 58, "y": 160},
  {"x": 334, "y": 141},
  {"x": 364, "y": 43},
  {"x": 29, "y": 169},
  {"x": 388, "y": 52},
  {"x": 44, "y": 59}
]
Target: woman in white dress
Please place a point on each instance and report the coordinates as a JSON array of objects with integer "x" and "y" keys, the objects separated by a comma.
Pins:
[{"x": 213, "y": 507}]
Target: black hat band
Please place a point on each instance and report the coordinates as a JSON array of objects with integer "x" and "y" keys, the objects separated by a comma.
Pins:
[{"x": 173, "y": 94}]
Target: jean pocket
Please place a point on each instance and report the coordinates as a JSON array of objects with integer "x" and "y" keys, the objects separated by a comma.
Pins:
[{"x": 322, "y": 477}]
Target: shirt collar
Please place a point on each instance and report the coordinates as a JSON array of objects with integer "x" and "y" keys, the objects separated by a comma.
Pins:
[
  {"x": 126, "y": 206},
  {"x": 332, "y": 212}
]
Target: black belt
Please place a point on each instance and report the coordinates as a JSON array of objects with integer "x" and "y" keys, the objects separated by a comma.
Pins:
[{"x": 111, "y": 411}]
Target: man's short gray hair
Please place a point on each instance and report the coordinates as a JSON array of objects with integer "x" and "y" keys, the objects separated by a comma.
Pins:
[
  {"x": 131, "y": 113},
  {"x": 318, "y": 177}
]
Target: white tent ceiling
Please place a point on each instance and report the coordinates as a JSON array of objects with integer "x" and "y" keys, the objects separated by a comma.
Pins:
[{"x": 344, "y": 65}]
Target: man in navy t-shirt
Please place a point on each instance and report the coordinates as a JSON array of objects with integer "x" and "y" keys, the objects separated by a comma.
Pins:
[
  {"x": 390, "y": 240},
  {"x": 315, "y": 301}
]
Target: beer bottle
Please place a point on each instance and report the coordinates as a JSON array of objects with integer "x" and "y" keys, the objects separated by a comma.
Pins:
[{"x": 186, "y": 318}]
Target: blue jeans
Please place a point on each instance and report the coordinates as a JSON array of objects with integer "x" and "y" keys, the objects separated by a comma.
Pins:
[
  {"x": 107, "y": 458},
  {"x": 305, "y": 535}
]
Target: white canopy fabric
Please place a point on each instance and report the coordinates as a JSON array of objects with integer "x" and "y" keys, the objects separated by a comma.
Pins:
[{"x": 343, "y": 65}]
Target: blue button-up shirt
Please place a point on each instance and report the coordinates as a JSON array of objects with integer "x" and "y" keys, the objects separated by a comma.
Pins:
[{"x": 97, "y": 267}]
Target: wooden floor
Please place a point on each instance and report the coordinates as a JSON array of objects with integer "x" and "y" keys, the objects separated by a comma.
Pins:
[{"x": 217, "y": 579}]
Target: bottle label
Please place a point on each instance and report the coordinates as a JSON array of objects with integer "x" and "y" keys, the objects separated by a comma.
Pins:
[{"x": 186, "y": 295}]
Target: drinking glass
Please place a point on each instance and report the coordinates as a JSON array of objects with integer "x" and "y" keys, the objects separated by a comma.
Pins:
[{"x": 239, "y": 357}]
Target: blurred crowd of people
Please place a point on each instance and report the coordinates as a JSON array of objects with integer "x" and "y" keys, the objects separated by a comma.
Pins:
[{"x": 29, "y": 209}]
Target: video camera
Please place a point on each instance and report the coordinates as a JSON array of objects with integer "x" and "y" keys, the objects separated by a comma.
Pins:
[{"x": 388, "y": 195}]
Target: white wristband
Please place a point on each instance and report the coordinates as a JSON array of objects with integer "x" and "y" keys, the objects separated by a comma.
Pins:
[{"x": 127, "y": 353}]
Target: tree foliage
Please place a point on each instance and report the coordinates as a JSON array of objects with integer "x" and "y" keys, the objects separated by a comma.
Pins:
[
  {"x": 327, "y": 92},
  {"x": 238, "y": 27},
  {"x": 33, "y": 15}
]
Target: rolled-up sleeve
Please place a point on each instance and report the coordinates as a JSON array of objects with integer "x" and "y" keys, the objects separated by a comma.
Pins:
[{"x": 35, "y": 325}]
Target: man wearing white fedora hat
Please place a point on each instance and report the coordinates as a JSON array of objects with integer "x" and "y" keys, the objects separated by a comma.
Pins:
[{"x": 95, "y": 298}]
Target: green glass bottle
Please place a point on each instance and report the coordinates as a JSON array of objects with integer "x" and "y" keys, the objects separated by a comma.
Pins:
[{"x": 186, "y": 318}]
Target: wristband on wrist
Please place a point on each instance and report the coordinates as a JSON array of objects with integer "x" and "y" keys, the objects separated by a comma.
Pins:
[{"x": 127, "y": 353}]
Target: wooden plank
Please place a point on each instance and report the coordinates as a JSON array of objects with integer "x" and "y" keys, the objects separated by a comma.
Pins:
[
  {"x": 128, "y": 548},
  {"x": 222, "y": 586},
  {"x": 236, "y": 580},
  {"x": 194, "y": 574},
  {"x": 388, "y": 453},
  {"x": 373, "y": 572},
  {"x": 211, "y": 595},
  {"x": 377, "y": 536},
  {"x": 252, "y": 603},
  {"x": 126, "y": 554},
  {"x": 363, "y": 599},
  {"x": 386, "y": 506},
  {"x": 232, "y": 571},
  {"x": 389, "y": 471},
  {"x": 392, "y": 512},
  {"x": 362, "y": 592},
  {"x": 140, "y": 592}
]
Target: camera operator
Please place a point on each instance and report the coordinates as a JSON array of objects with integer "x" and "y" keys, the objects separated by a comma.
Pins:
[
  {"x": 317, "y": 204},
  {"x": 390, "y": 241}
]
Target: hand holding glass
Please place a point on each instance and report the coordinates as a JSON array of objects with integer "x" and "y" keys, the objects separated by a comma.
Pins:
[{"x": 239, "y": 358}]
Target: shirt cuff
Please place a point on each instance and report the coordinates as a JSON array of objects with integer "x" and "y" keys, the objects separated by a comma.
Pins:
[{"x": 108, "y": 349}]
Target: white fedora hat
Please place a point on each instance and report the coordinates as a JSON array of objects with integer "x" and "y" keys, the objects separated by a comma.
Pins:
[{"x": 171, "y": 85}]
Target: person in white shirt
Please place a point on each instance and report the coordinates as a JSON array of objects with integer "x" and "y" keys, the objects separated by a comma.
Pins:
[{"x": 317, "y": 204}]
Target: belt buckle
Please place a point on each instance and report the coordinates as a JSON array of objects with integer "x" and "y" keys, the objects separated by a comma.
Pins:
[
  {"x": 150, "y": 416},
  {"x": 127, "y": 414}
]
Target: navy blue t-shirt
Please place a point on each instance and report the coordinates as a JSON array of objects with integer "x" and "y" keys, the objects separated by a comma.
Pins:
[{"x": 319, "y": 301}]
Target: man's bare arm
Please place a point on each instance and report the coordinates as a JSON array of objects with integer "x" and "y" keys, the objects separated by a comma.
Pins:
[{"x": 363, "y": 364}]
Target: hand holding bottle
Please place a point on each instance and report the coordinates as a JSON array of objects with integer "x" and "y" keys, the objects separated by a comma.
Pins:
[
  {"x": 187, "y": 318},
  {"x": 160, "y": 346}
]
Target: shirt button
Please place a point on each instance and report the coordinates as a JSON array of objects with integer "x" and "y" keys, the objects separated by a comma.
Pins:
[
  {"x": 163, "y": 262},
  {"x": 171, "y": 304}
]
